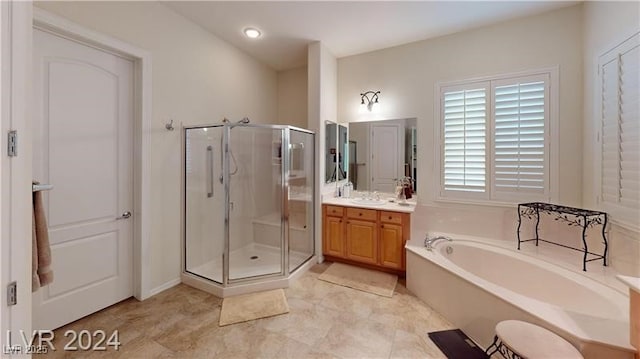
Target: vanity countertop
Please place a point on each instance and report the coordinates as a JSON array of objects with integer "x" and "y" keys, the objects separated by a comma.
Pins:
[{"x": 409, "y": 207}]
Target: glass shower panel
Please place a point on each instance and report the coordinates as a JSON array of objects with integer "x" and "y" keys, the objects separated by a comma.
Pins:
[
  {"x": 301, "y": 184},
  {"x": 255, "y": 202},
  {"x": 204, "y": 202}
]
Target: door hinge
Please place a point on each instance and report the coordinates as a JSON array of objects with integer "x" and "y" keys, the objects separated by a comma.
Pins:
[
  {"x": 12, "y": 147},
  {"x": 12, "y": 293}
]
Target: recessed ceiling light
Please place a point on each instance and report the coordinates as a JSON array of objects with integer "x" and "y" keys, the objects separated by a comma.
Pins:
[{"x": 252, "y": 33}]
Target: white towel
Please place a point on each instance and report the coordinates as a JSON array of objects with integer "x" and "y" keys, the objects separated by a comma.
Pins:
[{"x": 41, "y": 251}]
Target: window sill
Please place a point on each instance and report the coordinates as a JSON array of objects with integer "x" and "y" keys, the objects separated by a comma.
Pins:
[{"x": 476, "y": 203}]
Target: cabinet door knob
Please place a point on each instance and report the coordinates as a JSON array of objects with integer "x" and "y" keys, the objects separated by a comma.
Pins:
[
  {"x": 360, "y": 214},
  {"x": 390, "y": 217},
  {"x": 382, "y": 226}
]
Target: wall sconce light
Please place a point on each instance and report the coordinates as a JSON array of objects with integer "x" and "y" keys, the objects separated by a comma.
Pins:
[{"x": 371, "y": 98}]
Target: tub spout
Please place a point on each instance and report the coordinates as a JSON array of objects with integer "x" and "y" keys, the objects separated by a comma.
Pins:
[{"x": 429, "y": 242}]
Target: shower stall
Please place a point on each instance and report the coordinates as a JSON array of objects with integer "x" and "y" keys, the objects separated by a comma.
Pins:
[{"x": 248, "y": 215}]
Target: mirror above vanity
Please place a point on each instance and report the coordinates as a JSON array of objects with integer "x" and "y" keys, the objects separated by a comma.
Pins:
[
  {"x": 382, "y": 151},
  {"x": 343, "y": 152},
  {"x": 331, "y": 141},
  {"x": 336, "y": 155},
  {"x": 372, "y": 155}
]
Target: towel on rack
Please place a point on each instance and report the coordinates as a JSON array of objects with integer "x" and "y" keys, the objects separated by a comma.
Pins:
[{"x": 41, "y": 251}]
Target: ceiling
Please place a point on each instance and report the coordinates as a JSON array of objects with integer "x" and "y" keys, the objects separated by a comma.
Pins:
[{"x": 345, "y": 28}]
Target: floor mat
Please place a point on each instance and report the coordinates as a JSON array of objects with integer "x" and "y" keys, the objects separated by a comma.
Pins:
[
  {"x": 246, "y": 307},
  {"x": 366, "y": 280},
  {"x": 457, "y": 345}
]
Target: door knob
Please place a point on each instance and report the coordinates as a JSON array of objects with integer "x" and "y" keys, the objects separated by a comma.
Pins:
[{"x": 125, "y": 215}]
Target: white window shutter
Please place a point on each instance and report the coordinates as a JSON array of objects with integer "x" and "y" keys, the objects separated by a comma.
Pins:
[
  {"x": 630, "y": 128},
  {"x": 610, "y": 133},
  {"x": 520, "y": 150},
  {"x": 464, "y": 132},
  {"x": 495, "y": 140},
  {"x": 620, "y": 116}
]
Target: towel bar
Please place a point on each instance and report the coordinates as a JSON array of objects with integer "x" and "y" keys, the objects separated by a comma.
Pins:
[{"x": 41, "y": 187}]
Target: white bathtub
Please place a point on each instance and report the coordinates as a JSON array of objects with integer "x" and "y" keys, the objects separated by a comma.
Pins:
[{"x": 481, "y": 283}]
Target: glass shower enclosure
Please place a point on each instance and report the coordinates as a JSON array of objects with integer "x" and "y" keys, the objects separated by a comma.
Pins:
[{"x": 248, "y": 201}]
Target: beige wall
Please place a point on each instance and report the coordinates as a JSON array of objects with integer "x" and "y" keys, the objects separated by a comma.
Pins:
[
  {"x": 406, "y": 76},
  {"x": 322, "y": 85},
  {"x": 292, "y": 97},
  {"x": 570, "y": 38},
  {"x": 197, "y": 79},
  {"x": 606, "y": 24},
  {"x": 322, "y": 98}
]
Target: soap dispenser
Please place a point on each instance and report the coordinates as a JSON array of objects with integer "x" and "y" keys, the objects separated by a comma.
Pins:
[{"x": 346, "y": 190}]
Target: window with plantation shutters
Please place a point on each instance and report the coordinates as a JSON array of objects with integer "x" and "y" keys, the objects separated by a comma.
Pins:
[
  {"x": 464, "y": 139},
  {"x": 520, "y": 111},
  {"x": 495, "y": 138},
  {"x": 619, "y": 71}
]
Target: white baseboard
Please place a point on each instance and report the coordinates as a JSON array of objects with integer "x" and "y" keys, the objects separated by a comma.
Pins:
[{"x": 165, "y": 286}]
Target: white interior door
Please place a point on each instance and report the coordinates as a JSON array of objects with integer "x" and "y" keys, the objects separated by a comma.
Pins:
[
  {"x": 386, "y": 156},
  {"x": 83, "y": 133}
]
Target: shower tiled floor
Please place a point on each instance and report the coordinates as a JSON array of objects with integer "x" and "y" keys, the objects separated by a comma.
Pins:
[
  {"x": 241, "y": 265},
  {"x": 325, "y": 321}
]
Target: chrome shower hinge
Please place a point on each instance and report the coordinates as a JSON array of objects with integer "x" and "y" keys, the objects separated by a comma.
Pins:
[
  {"x": 12, "y": 143},
  {"x": 12, "y": 293}
]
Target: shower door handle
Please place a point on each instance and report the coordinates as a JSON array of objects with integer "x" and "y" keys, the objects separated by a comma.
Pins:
[{"x": 209, "y": 171}]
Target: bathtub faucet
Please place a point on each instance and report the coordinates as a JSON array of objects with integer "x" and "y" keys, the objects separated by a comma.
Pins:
[{"x": 429, "y": 242}]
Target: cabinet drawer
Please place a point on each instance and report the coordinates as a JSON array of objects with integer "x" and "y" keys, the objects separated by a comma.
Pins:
[
  {"x": 391, "y": 217},
  {"x": 360, "y": 213},
  {"x": 335, "y": 211}
]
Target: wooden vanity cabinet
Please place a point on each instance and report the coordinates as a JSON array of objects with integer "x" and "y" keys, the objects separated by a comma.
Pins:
[
  {"x": 333, "y": 243},
  {"x": 373, "y": 238},
  {"x": 362, "y": 235},
  {"x": 391, "y": 240}
]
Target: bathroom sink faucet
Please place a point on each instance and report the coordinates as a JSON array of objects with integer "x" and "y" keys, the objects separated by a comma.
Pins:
[{"x": 429, "y": 242}]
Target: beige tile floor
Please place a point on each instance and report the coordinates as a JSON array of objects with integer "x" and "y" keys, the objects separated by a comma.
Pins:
[{"x": 325, "y": 321}]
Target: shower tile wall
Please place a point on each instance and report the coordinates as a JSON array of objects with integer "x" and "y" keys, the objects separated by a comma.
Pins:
[{"x": 265, "y": 226}]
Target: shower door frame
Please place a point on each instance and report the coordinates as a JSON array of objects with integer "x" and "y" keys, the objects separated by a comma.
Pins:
[
  {"x": 183, "y": 247},
  {"x": 285, "y": 136},
  {"x": 288, "y": 130},
  {"x": 284, "y": 213}
]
